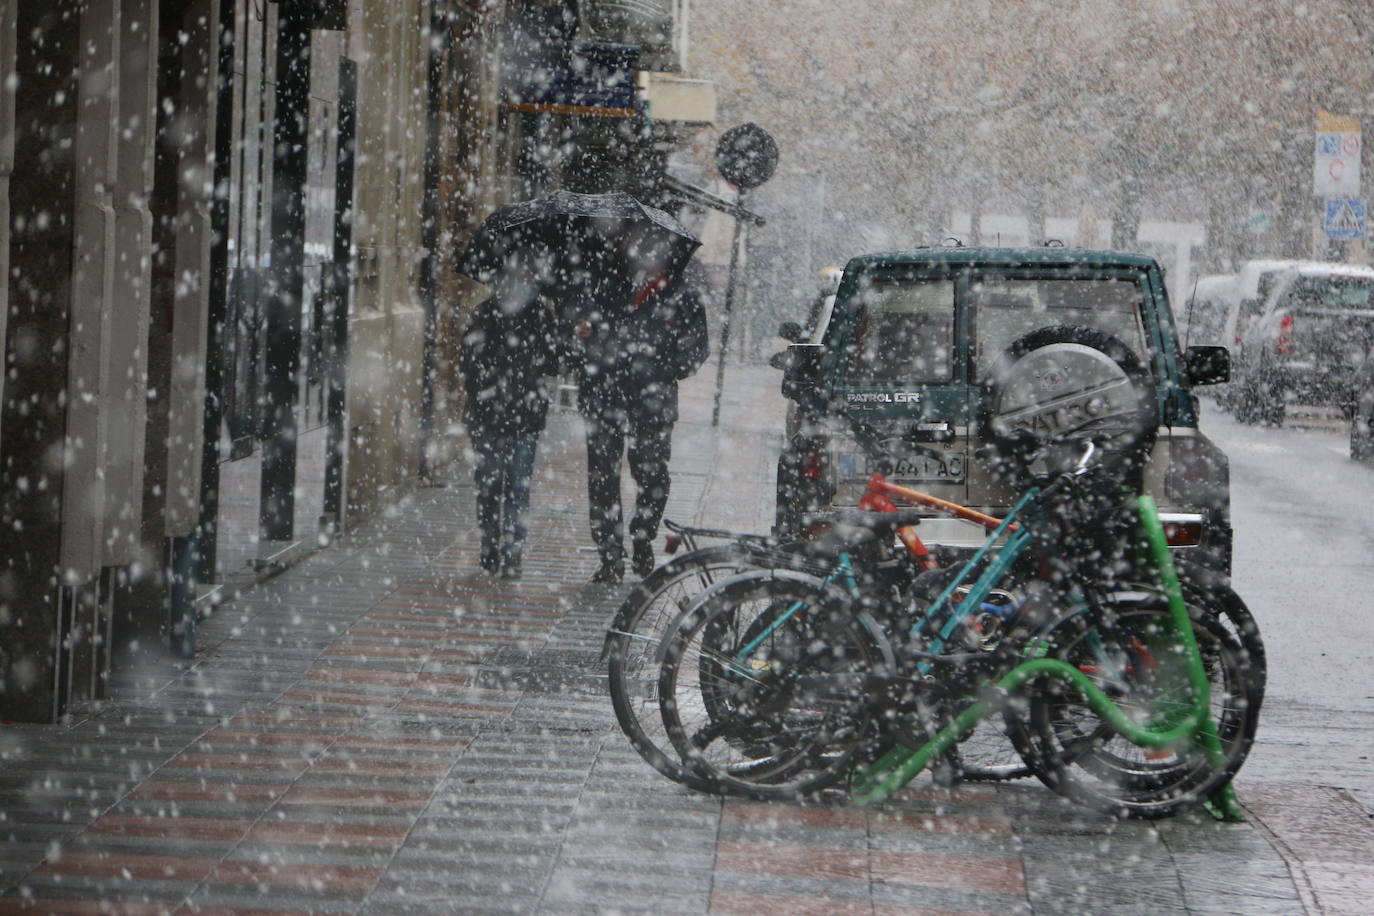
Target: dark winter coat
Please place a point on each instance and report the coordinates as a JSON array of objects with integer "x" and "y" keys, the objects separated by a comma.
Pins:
[
  {"x": 502, "y": 360},
  {"x": 634, "y": 358}
]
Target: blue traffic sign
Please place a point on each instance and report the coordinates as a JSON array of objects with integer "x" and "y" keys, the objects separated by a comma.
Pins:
[{"x": 1344, "y": 219}]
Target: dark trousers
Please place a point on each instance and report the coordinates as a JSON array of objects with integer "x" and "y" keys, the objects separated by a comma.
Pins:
[
  {"x": 502, "y": 472},
  {"x": 651, "y": 446}
]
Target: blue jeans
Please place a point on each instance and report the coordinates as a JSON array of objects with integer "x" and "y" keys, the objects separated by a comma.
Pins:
[{"x": 505, "y": 462}]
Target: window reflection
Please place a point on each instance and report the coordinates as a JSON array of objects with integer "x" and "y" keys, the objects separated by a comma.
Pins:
[
  {"x": 1008, "y": 308},
  {"x": 904, "y": 334}
]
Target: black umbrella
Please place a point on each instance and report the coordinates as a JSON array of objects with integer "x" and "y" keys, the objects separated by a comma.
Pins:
[{"x": 607, "y": 245}]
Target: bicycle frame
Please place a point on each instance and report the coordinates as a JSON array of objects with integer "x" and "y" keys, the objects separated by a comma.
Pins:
[
  {"x": 878, "y": 498},
  {"x": 879, "y": 781},
  {"x": 879, "y": 495}
]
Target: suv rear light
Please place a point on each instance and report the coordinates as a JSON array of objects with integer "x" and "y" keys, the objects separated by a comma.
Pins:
[
  {"x": 813, "y": 465},
  {"x": 1284, "y": 345},
  {"x": 1182, "y": 529}
]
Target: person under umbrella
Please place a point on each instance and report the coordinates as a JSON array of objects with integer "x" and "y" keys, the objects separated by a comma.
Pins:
[
  {"x": 507, "y": 349},
  {"x": 602, "y": 256},
  {"x": 629, "y": 363}
]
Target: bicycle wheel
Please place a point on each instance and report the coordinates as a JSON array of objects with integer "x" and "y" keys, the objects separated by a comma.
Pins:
[
  {"x": 1079, "y": 757},
  {"x": 1204, "y": 587},
  {"x": 652, "y": 610},
  {"x": 762, "y": 686},
  {"x": 1222, "y": 624},
  {"x": 987, "y": 754}
]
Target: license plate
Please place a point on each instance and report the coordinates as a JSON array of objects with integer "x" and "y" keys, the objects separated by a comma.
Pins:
[
  {"x": 920, "y": 465},
  {"x": 929, "y": 466}
]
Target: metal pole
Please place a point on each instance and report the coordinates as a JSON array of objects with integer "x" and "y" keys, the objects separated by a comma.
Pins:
[
  {"x": 339, "y": 285},
  {"x": 218, "y": 329},
  {"x": 290, "y": 174},
  {"x": 429, "y": 279},
  {"x": 725, "y": 322}
]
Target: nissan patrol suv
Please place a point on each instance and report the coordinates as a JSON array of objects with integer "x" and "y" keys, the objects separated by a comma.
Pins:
[{"x": 907, "y": 356}]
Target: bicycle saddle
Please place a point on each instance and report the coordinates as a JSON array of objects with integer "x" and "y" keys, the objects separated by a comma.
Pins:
[{"x": 852, "y": 527}]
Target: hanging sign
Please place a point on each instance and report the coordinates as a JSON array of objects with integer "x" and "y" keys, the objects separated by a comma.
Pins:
[
  {"x": 1336, "y": 163},
  {"x": 581, "y": 79}
]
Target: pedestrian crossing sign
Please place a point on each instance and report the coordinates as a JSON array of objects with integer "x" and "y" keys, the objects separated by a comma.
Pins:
[{"x": 1344, "y": 218}]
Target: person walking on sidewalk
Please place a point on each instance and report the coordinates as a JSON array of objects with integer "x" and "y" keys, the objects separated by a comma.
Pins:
[
  {"x": 506, "y": 350},
  {"x": 628, "y": 369}
]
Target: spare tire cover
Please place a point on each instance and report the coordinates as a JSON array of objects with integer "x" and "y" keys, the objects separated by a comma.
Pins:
[{"x": 1059, "y": 387}]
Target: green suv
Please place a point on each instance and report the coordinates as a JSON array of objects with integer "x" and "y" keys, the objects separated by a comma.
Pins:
[{"x": 908, "y": 354}]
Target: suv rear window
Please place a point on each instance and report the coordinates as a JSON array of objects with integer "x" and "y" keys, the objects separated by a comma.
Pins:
[
  {"x": 1006, "y": 308},
  {"x": 904, "y": 333}
]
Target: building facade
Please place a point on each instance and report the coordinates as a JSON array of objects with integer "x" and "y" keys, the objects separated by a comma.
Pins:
[{"x": 229, "y": 318}]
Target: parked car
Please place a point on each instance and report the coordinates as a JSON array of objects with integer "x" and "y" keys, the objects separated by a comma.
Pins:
[
  {"x": 914, "y": 334},
  {"x": 1313, "y": 335}
]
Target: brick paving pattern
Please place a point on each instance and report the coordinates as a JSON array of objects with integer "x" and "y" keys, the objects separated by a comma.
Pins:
[{"x": 384, "y": 729}]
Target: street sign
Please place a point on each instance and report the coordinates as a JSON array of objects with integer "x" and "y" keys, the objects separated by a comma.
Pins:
[
  {"x": 746, "y": 156},
  {"x": 1336, "y": 163},
  {"x": 1344, "y": 219}
]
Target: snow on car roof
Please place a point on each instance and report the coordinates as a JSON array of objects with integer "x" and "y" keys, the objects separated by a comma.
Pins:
[
  {"x": 1004, "y": 257},
  {"x": 1248, "y": 278},
  {"x": 1214, "y": 286},
  {"x": 1327, "y": 269}
]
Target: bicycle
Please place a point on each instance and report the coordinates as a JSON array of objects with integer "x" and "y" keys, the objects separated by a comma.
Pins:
[
  {"x": 656, "y": 606},
  {"x": 631, "y": 648}
]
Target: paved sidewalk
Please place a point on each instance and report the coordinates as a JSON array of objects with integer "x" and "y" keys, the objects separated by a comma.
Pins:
[{"x": 384, "y": 729}]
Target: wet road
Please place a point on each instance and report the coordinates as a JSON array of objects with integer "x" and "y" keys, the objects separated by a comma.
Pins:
[{"x": 1303, "y": 547}]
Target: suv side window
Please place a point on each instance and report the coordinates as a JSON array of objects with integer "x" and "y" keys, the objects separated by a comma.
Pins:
[
  {"x": 1006, "y": 308},
  {"x": 903, "y": 334}
]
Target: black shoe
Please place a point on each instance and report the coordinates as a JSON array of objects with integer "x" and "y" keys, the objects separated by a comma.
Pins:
[
  {"x": 511, "y": 570},
  {"x": 610, "y": 572},
  {"x": 643, "y": 562},
  {"x": 491, "y": 562}
]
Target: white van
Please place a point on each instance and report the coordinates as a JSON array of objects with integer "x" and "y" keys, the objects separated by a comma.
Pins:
[{"x": 1254, "y": 281}]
